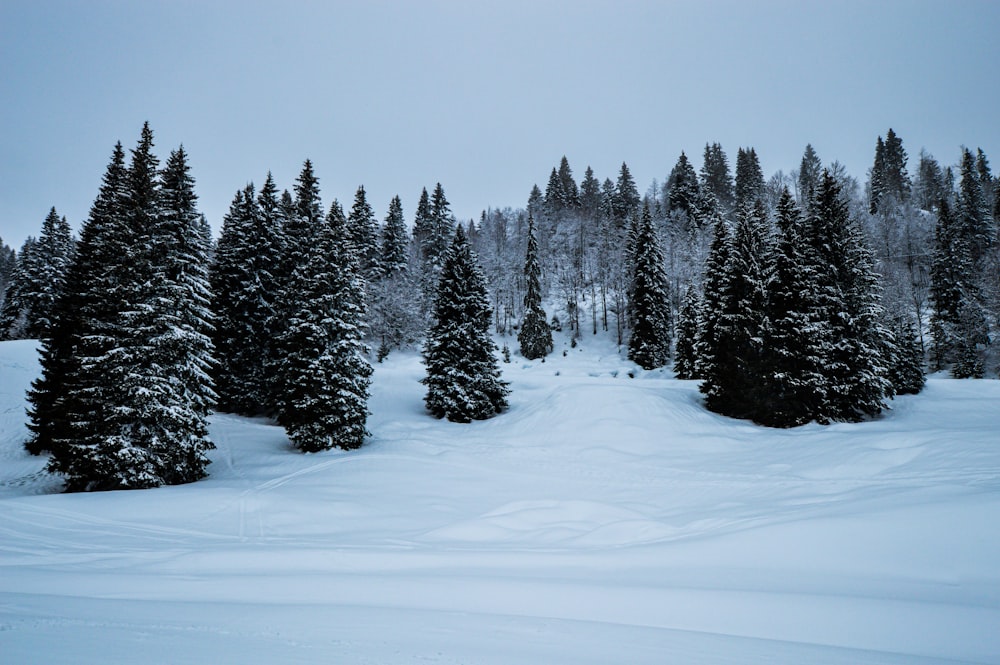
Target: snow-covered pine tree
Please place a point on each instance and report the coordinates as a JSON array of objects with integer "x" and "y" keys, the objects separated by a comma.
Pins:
[
  {"x": 535, "y": 336},
  {"x": 395, "y": 316},
  {"x": 850, "y": 296},
  {"x": 363, "y": 230},
  {"x": 876, "y": 179},
  {"x": 732, "y": 378},
  {"x": 649, "y": 299},
  {"x": 323, "y": 376},
  {"x": 716, "y": 177},
  {"x": 30, "y": 305},
  {"x": 626, "y": 200},
  {"x": 683, "y": 193},
  {"x": 463, "y": 376},
  {"x": 716, "y": 289},
  {"x": 810, "y": 172},
  {"x": 685, "y": 353},
  {"x": 749, "y": 184},
  {"x": 906, "y": 370},
  {"x": 794, "y": 386},
  {"x": 183, "y": 360}
]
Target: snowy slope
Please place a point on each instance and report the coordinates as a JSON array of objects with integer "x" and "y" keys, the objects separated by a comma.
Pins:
[{"x": 602, "y": 519}]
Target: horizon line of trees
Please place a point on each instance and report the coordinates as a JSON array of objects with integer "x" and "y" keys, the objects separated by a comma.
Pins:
[{"x": 801, "y": 298}]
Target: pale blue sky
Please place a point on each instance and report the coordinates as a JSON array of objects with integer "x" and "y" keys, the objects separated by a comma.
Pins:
[{"x": 483, "y": 97}]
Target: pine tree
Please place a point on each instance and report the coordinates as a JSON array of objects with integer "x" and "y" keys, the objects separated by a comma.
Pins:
[
  {"x": 715, "y": 296},
  {"x": 39, "y": 282},
  {"x": 683, "y": 191},
  {"x": 850, "y": 297},
  {"x": 571, "y": 193},
  {"x": 64, "y": 400},
  {"x": 877, "y": 184},
  {"x": 649, "y": 299},
  {"x": 626, "y": 200},
  {"x": 795, "y": 335},
  {"x": 685, "y": 353},
  {"x": 749, "y": 178},
  {"x": 323, "y": 377},
  {"x": 896, "y": 179},
  {"x": 906, "y": 371},
  {"x": 393, "y": 254},
  {"x": 535, "y": 336},
  {"x": 716, "y": 177},
  {"x": 810, "y": 173},
  {"x": 732, "y": 377},
  {"x": 463, "y": 376},
  {"x": 363, "y": 232}
]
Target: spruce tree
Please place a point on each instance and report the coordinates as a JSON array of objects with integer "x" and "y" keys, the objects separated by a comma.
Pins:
[
  {"x": 463, "y": 376},
  {"x": 810, "y": 172},
  {"x": 393, "y": 254},
  {"x": 732, "y": 378},
  {"x": 535, "y": 336},
  {"x": 876, "y": 181},
  {"x": 716, "y": 281},
  {"x": 395, "y": 317},
  {"x": 683, "y": 191},
  {"x": 649, "y": 299},
  {"x": 571, "y": 193},
  {"x": 685, "y": 353},
  {"x": 796, "y": 334},
  {"x": 63, "y": 401},
  {"x": 323, "y": 376},
  {"x": 906, "y": 371},
  {"x": 363, "y": 231},
  {"x": 749, "y": 178},
  {"x": 716, "y": 177},
  {"x": 626, "y": 201}
]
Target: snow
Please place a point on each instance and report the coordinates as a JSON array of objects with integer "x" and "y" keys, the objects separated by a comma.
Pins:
[{"x": 604, "y": 518}]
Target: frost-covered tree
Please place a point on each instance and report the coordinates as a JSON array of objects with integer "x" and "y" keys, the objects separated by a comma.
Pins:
[
  {"x": 906, "y": 367},
  {"x": 732, "y": 377},
  {"x": 30, "y": 302},
  {"x": 810, "y": 172},
  {"x": 323, "y": 376},
  {"x": 649, "y": 298},
  {"x": 683, "y": 193},
  {"x": 716, "y": 177},
  {"x": 535, "y": 335},
  {"x": 685, "y": 352},
  {"x": 395, "y": 319},
  {"x": 364, "y": 234},
  {"x": 393, "y": 255},
  {"x": 463, "y": 376},
  {"x": 749, "y": 178},
  {"x": 796, "y": 334}
]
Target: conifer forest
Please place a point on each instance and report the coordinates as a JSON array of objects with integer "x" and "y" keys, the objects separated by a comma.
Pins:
[{"x": 807, "y": 296}]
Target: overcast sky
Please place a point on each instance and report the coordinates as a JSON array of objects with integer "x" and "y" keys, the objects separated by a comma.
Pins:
[{"x": 482, "y": 97}]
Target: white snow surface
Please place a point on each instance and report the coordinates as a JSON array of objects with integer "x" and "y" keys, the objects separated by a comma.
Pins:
[{"x": 602, "y": 519}]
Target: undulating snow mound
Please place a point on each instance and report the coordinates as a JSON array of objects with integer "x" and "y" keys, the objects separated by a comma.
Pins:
[{"x": 605, "y": 517}]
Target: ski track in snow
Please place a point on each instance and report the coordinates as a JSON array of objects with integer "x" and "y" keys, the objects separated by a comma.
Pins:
[{"x": 605, "y": 518}]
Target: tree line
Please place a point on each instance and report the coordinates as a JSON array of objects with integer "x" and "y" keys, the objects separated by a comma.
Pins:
[{"x": 800, "y": 298}]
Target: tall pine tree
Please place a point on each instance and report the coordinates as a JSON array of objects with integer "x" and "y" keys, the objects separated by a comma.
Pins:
[
  {"x": 649, "y": 299},
  {"x": 535, "y": 336}
]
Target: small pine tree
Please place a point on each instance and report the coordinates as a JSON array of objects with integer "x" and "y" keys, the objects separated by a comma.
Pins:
[
  {"x": 907, "y": 368},
  {"x": 535, "y": 336},
  {"x": 649, "y": 299},
  {"x": 463, "y": 376},
  {"x": 685, "y": 353},
  {"x": 363, "y": 231}
]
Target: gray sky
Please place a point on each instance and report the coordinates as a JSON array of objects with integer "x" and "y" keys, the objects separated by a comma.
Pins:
[{"x": 483, "y": 97}]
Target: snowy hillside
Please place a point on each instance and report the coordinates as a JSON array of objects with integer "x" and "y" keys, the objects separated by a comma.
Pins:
[{"x": 604, "y": 518}]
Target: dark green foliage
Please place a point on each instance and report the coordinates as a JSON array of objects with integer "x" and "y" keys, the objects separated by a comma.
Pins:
[
  {"x": 889, "y": 180},
  {"x": 37, "y": 282},
  {"x": 683, "y": 192},
  {"x": 322, "y": 374},
  {"x": 685, "y": 352},
  {"x": 715, "y": 296},
  {"x": 906, "y": 370},
  {"x": 734, "y": 360},
  {"x": 649, "y": 299},
  {"x": 535, "y": 336},
  {"x": 929, "y": 186},
  {"x": 796, "y": 335},
  {"x": 394, "y": 254},
  {"x": 626, "y": 198},
  {"x": 749, "y": 178},
  {"x": 716, "y": 177},
  {"x": 463, "y": 376},
  {"x": 363, "y": 233},
  {"x": 810, "y": 171}
]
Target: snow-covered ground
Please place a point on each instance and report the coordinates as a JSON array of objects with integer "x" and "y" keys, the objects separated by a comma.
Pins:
[{"x": 603, "y": 519}]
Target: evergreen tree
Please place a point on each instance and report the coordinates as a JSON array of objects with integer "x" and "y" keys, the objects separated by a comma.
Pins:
[
  {"x": 423, "y": 225},
  {"x": 749, "y": 178},
  {"x": 796, "y": 334},
  {"x": 896, "y": 179},
  {"x": 39, "y": 280},
  {"x": 323, "y": 377},
  {"x": 850, "y": 296},
  {"x": 810, "y": 173},
  {"x": 929, "y": 187},
  {"x": 649, "y": 299},
  {"x": 571, "y": 193},
  {"x": 683, "y": 193},
  {"x": 685, "y": 353},
  {"x": 877, "y": 184},
  {"x": 245, "y": 288},
  {"x": 363, "y": 232},
  {"x": 590, "y": 195},
  {"x": 626, "y": 200},
  {"x": 463, "y": 376},
  {"x": 732, "y": 377},
  {"x": 716, "y": 177},
  {"x": 535, "y": 336},
  {"x": 442, "y": 227},
  {"x": 715, "y": 297},
  {"x": 64, "y": 400},
  {"x": 906, "y": 371},
  {"x": 393, "y": 255}
]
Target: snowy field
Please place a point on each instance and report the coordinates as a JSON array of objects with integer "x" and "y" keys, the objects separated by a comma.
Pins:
[{"x": 603, "y": 519}]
